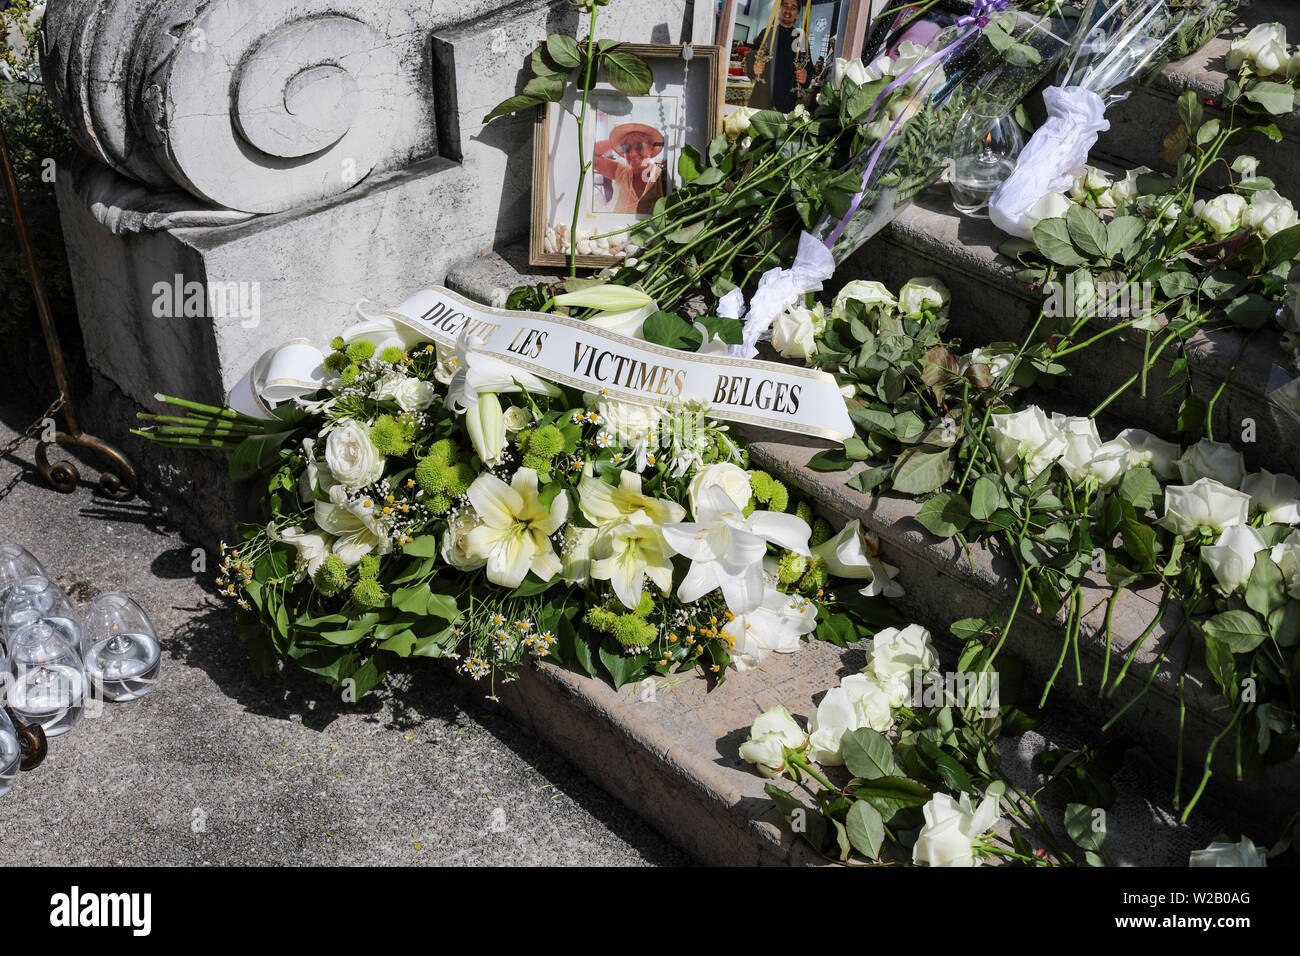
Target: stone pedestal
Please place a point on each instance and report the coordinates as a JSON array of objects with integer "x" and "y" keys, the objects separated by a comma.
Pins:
[{"x": 348, "y": 160}]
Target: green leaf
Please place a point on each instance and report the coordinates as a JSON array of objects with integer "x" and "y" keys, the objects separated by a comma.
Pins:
[
  {"x": 1241, "y": 631},
  {"x": 769, "y": 124},
  {"x": 1285, "y": 624},
  {"x": 1178, "y": 282},
  {"x": 986, "y": 498},
  {"x": 1221, "y": 664},
  {"x": 866, "y": 829},
  {"x": 1190, "y": 110},
  {"x": 1191, "y": 414},
  {"x": 623, "y": 668},
  {"x": 945, "y": 515},
  {"x": 1283, "y": 246},
  {"x": 1087, "y": 231},
  {"x": 690, "y": 164},
  {"x": 513, "y": 105},
  {"x": 920, "y": 471},
  {"x": 443, "y": 606},
  {"x": 413, "y": 600},
  {"x": 891, "y": 794},
  {"x": 424, "y": 546},
  {"x": 1079, "y": 824},
  {"x": 868, "y": 755},
  {"x": 627, "y": 73},
  {"x": 563, "y": 49},
  {"x": 671, "y": 331},
  {"x": 1266, "y": 588},
  {"x": 1223, "y": 285},
  {"x": 1139, "y": 488},
  {"x": 954, "y": 775},
  {"x": 1052, "y": 236},
  {"x": 1122, "y": 232},
  {"x": 1250, "y": 311},
  {"x": 1277, "y": 99}
]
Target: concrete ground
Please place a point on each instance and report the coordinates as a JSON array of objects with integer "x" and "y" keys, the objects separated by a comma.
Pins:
[{"x": 218, "y": 767}]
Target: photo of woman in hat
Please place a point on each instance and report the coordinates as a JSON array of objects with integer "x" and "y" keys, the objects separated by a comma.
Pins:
[{"x": 632, "y": 176}]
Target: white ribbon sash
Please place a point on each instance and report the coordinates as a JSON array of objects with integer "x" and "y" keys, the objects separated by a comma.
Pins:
[{"x": 597, "y": 361}]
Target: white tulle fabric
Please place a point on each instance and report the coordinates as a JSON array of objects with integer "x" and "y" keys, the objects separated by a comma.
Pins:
[
  {"x": 1075, "y": 117},
  {"x": 777, "y": 289}
]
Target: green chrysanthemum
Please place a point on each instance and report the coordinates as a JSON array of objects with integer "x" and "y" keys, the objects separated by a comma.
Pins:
[
  {"x": 392, "y": 355},
  {"x": 336, "y": 362},
  {"x": 368, "y": 567},
  {"x": 360, "y": 351},
  {"x": 821, "y": 533},
  {"x": 792, "y": 567},
  {"x": 633, "y": 631},
  {"x": 337, "y": 343},
  {"x": 368, "y": 593},
  {"x": 331, "y": 577},
  {"x": 387, "y": 436}
]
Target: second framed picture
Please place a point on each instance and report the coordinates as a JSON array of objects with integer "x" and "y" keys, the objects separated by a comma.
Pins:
[{"x": 632, "y": 143}]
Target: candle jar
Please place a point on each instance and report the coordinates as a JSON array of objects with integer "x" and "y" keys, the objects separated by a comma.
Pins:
[
  {"x": 16, "y": 563},
  {"x": 984, "y": 152},
  {"x": 123, "y": 656},
  {"x": 47, "y": 683},
  {"x": 37, "y": 598}
]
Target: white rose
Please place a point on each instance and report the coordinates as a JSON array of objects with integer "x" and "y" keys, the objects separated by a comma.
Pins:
[
  {"x": 997, "y": 362},
  {"x": 774, "y": 627},
  {"x": 1050, "y": 206},
  {"x": 1145, "y": 449},
  {"x": 1127, "y": 189},
  {"x": 1270, "y": 213},
  {"x": 951, "y": 829},
  {"x": 1277, "y": 497},
  {"x": 1109, "y": 463},
  {"x": 313, "y": 548},
  {"x": 1204, "y": 504},
  {"x": 352, "y": 457},
  {"x": 853, "y": 70},
  {"x": 1222, "y": 215},
  {"x": 1244, "y": 853},
  {"x": 795, "y": 331},
  {"x": 1287, "y": 557},
  {"x": 1264, "y": 48},
  {"x": 631, "y": 424},
  {"x": 517, "y": 418},
  {"x": 858, "y": 702},
  {"x": 737, "y": 122},
  {"x": 1213, "y": 459},
  {"x": 415, "y": 395},
  {"x": 923, "y": 294},
  {"x": 770, "y": 735},
  {"x": 1026, "y": 435},
  {"x": 1081, "y": 443},
  {"x": 455, "y": 547},
  {"x": 898, "y": 658},
  {"x": 733, "y": 479},
  {"x": 1090, "y": 183},
  {"x": 867, "y": 291},
  {"x": 1232, "y": 557}
]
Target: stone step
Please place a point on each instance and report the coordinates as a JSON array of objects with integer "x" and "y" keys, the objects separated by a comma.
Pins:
[
  {"x": 943, "y": 584},
  {"x": 973, "y": 588},
  {"x": 1140, "y": 124},
  {"x": 990, "y": 304}
]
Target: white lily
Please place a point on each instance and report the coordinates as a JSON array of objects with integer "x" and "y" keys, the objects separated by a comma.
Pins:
[
  {"x": 313, "y": 548},
  {"x": 478, "y": 372},
  {"x": 515, "y": 536},
  {"x": 606, "y": 298},
  {"x": 726, "y": 549},
  {"x": 356, "y": 528},
  {"x": 628, "y": 551},
  {"x": 486, "y": 425},
  {"x": 852, "y": 554},
  {"x": 604, "y": 503}
]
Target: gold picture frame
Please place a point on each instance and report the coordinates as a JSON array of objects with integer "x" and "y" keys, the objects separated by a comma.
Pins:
[{"x": 688, "y": 95}]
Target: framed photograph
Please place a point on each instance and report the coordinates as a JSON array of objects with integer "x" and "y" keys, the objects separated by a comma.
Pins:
[
  {"x": 913, "y": 22},
  {"x": 633, "y": 144},
  {"x": 782, "y": 51}
]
